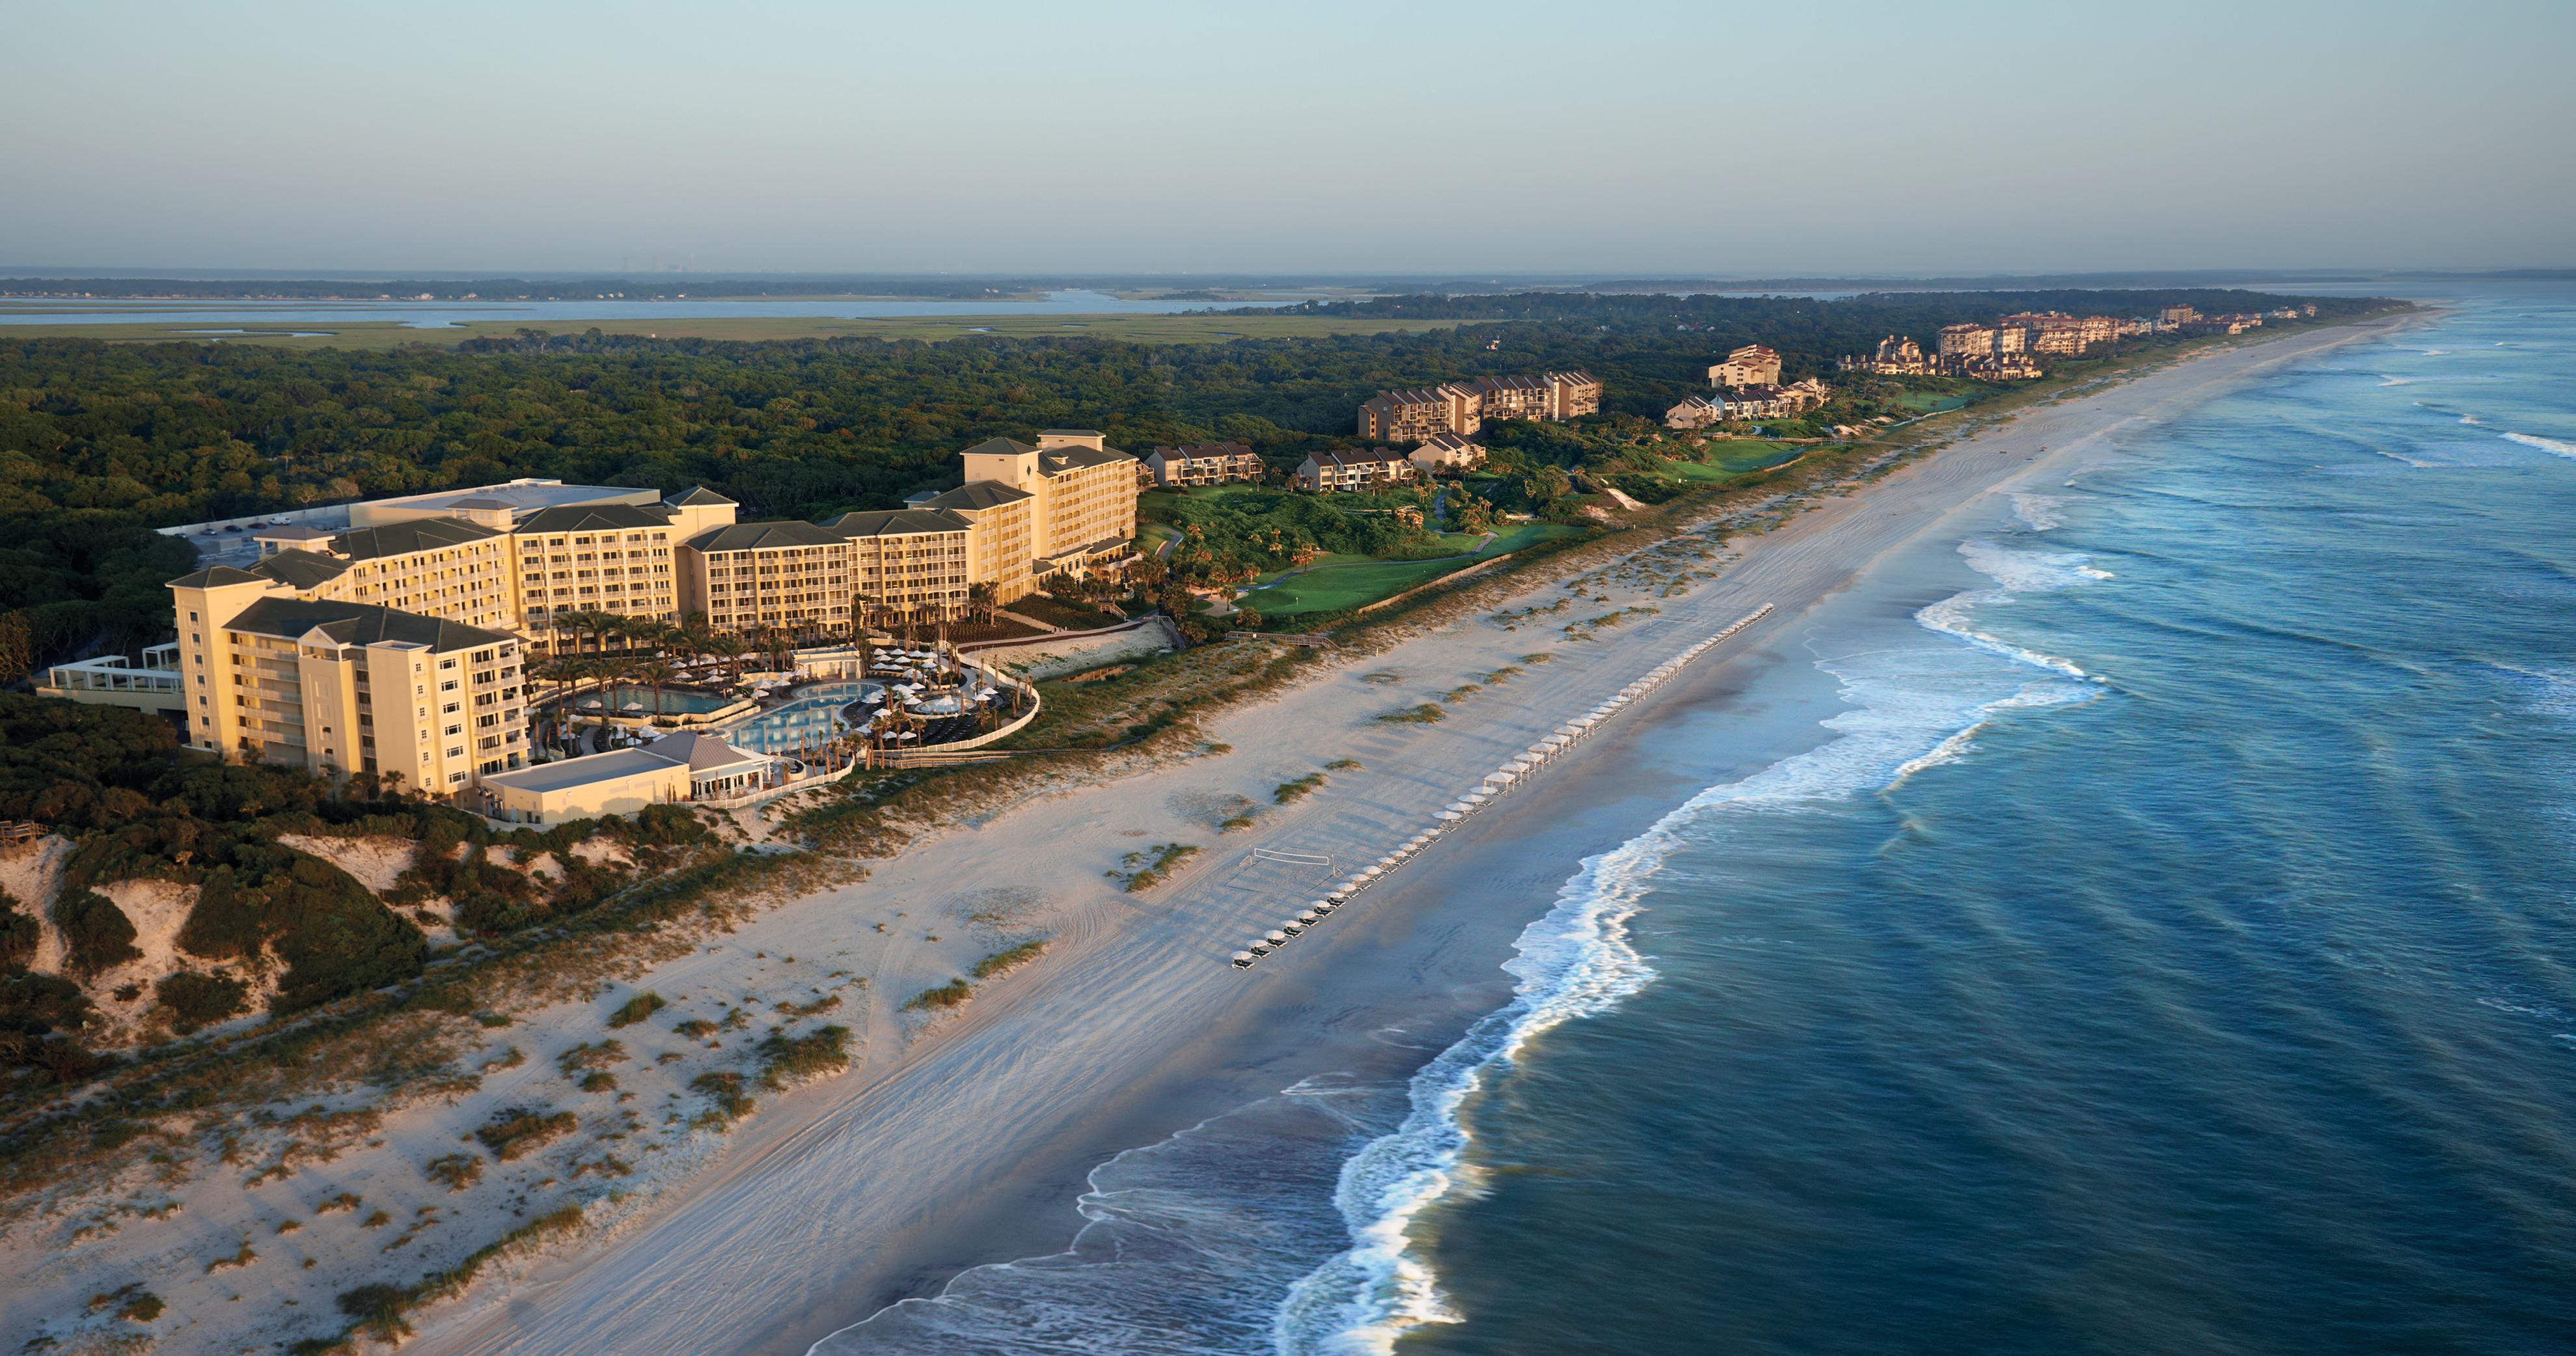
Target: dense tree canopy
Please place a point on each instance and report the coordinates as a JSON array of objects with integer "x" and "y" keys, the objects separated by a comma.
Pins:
[{"x": 101, "y": 442}]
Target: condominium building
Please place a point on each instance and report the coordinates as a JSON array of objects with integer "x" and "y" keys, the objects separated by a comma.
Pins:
[
  {"x": 1694, "y": 413},
  {"x": 1409, "y": 416},
  {"x": 1895, "y": 357},
  {"x": 1462, "y": 408},
  {"x": 2059, "y": 333},
  {"x": 334, "y": 685},
  {"x": 1571, "y": 395},
  {"x": 1204, "y": 464},
  {"x": 1514, "y": 397},
  {"x": 1751, "y": 365},
  {"x": 1446, "y": 452},
  {"x": 1354, "y": 468}
]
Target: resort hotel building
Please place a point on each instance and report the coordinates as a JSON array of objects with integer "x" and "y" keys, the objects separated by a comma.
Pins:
[{"x": 389, "y": 636}]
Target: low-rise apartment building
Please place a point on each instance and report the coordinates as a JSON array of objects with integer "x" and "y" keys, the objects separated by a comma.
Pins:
[
  {"x": 1354, "y": 468},
  {"x": 1751, "y": 365},
  {"x": 1693, "y": 413},
  {"x": 1572, "y": 395},
  {"x": 1226, "y": 463},
  {"x": 1446, "y": 452}
]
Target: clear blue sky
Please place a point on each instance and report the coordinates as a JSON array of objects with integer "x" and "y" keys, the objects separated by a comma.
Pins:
[{"x": 1465, "y": 138}]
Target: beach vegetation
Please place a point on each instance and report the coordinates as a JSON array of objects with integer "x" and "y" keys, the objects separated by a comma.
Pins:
[
  {"x": 381, "y": 1312},
  {"x": 1290, "y": 792},
  {"x": 455, "y": 1172},
  {"x": 240, "y": 1257},
  {"x": 1428, "y": 713},
  {"x": 696, "y": 1028},
  {"x": 194, "y": 1001},
  {"x": 787, "y": 1060},
  {"x": 509, "y": 1058},
  {"x": 1146, "y": 868},
  {"x": 346, "y": 1200},
  {"x": 590, "y": 1055},
  {"x": 599, "y": 1080},
  {"x": 952, "y": 994},
  {"x": 515, "y": 1132},
  {"x": 1008, "y": 959},
  {"x": 798, "y": 1011},
  {"x": 636, "y": 1009},
  {"x": 1343, "y": 765},
  {"x": 726, "y": 1101}
]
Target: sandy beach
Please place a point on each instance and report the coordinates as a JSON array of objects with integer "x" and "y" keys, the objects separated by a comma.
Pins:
[{"x": 964, "y": 1138}]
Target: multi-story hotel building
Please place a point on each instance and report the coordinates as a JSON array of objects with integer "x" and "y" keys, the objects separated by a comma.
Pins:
[
  {"x": 1751, "y": 365},
  {"x": 338, "y": 686},
  {"x": 782, "y": 576},
  {"x": 300, "y": 655},
  {"x": 1205, "y": 464}
]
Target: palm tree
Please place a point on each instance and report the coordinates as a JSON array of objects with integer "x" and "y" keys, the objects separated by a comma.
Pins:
[
  {"x": 656, "y": 674},
  {"x": 983, "y": 602}
]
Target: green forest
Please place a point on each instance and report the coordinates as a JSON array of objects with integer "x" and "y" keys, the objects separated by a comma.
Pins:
[{"x": 100, "y": 443}]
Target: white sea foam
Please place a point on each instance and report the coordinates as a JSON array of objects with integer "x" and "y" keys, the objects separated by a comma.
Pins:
[
  {"x": 1910, "y": 707},
  {"x": 2040, "y": 512},
  {"x": 2552, "y": 446},
  {"x": 2387, "y": 380},
  {"x": 2471, "y": 420}
]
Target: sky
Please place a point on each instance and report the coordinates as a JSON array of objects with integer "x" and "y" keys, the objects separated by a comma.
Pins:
[{"x": 1319, "y": 137}]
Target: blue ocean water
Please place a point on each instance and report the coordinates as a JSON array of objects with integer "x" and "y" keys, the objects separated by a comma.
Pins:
[{"x": 2173, "y": 951}]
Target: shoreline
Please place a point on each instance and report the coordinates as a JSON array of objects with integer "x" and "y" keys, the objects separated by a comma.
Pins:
[{"x": 1413, "y": 949}]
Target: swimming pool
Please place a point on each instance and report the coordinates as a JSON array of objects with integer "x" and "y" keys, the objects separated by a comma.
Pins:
[
  {"x": 675, "y": 701},
  {"x": 802, "y": 723}
]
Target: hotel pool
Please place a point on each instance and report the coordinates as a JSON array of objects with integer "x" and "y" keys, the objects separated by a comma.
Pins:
[
  {"x": 675, "y": 701},
  {"x": 803, "y": 722}
]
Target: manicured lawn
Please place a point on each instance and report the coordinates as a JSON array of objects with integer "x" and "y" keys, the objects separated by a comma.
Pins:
[
  {"x": 1930, "y": 402},
  {"x": 1357, "y": 585}
]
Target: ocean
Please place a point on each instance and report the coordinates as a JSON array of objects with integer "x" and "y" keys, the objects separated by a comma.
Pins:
[{"x": 2173, "y": 949}]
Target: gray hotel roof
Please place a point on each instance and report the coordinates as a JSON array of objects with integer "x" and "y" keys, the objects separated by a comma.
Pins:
[
  {"x": 358, "y": 624},
  {"x": 595, "y": 518},
  {"x": 896, "y": 522},
  {"x": 401, "y": 539},
  {"x": 764, "y": 536}
]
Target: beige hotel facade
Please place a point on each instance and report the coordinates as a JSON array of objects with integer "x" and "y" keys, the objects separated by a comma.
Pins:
[{"x": 396, "y": 645}]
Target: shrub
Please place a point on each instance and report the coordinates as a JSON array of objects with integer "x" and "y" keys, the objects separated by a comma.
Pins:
[
  {"x": 696, "y": 1028},
  {"x": 601, "y": 1081},
  {"x": 96, "y": 934},
  {"x": 196, "y": 1000},
  {"x": 1427, "y": 713},
  {"x": 18, "y": 935},
  {"x": 638, "y": 1008},
  {"x": 141, "y": 1308}
]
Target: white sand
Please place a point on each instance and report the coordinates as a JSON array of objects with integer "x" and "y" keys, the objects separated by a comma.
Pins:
[{"x": 962, "y": 1139}]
